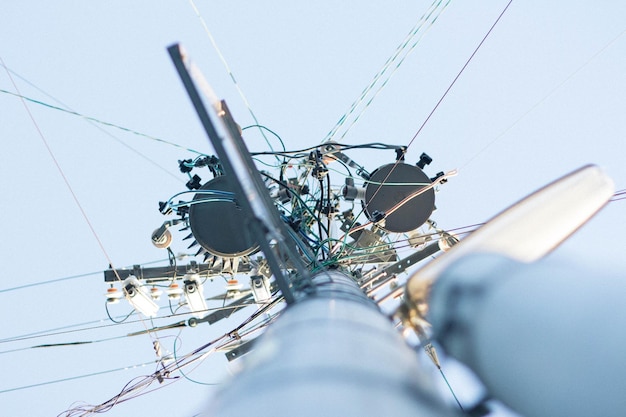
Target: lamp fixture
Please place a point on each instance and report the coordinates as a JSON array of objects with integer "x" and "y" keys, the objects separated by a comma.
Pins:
[
  {"x": 139, "y": 298},
  {"x": 195, "y": 295}
]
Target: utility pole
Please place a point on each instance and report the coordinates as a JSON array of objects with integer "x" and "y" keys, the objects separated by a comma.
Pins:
[{"x": 331, "y": 354}]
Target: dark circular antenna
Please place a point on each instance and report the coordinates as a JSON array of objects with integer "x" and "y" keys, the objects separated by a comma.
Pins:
[
  {"x": 399, "y": 182},
  {"x": 218, "y": 226}
]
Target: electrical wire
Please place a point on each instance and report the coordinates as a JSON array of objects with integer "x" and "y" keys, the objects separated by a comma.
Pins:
[
  {"x": 71, "y": 277},
  {"x": 93, "y": 123},
  {"x": 102, "y": 122},
  {"x": 276, "y": 135},
  {"x": 335, "y": 146},
  {"x": 195, "y": 355},
  {"x": 401, "y": 51},
  {"x": 230, "y": 73},
  {"x": 65, "y": 179},
  {"x": 145, "y": 381},
  {"x": 61, "y": 330},
  {"x": 444, "y": 95},
  {"x": 56, "y": 381},
  {"x": 618, "y": 195},
  {"x": 131, "y": 388},
  {"x": 418, "y": 192},
  {"x": 541, "y": 101},
  {"x": 206, "y": 352},
  {"x": 106, "y": 307},
  {"x": 451, "y": 390},
  {"x": 184, "y": 375},
  {"x": 58, "y": 166},
  {"x": 63, "y": 176},
  {"x": 63, "y": 344}
]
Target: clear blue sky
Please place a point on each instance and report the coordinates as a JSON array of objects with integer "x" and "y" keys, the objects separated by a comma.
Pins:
[{"x": 544, "y": 95}]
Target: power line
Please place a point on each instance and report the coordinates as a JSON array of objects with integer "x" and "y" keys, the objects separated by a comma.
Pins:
[
  {"x": 95, "y": 120},
  {"x": 459, "y": 74},
  {"x": 183, "y": 361},
  {"x": 93, "y": 123},
  {"x": 451, "y": 390},
  {"x": 63, "y": 344},
  {"x": 195, "y": 355},
  {"x": 444, "y": 95},
  {"x": 402, "y": 52},
  {"x": 231, "y": 75},
  {"x": 401, "y": 61},
  {"x": 543, "y": 99},
  {"x": 52, "y": 281},
  {"x": 56, "y": 381},
  {"x": 60, "y": 170},
  {"x": 54, "y": 332}
]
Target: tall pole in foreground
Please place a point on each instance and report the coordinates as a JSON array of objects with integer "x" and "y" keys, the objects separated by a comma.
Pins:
[{"x": 331, "y": 354}]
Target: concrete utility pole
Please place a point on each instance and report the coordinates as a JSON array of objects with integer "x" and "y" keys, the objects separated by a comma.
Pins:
[{"x": 331, "y": 354}]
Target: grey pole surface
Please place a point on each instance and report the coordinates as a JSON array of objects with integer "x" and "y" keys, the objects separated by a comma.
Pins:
[{"x": 331, "y": 354}]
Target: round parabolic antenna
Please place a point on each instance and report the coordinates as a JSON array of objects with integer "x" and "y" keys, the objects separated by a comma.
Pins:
[
  {"x": 219, "y": 226},
  {"x": 399, "y": 183}
]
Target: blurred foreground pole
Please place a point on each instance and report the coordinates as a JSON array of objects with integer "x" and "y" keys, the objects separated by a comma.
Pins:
[
  {"x": 545, "y": 340},
  {"x": 331, "y": 354}
]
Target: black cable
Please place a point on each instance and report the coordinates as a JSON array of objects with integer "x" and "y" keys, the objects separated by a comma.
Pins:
[
  {"x": 345, "y": 166},
  {"x": 335, "y": 146},
  {"x": 172, "y": 258},
  {"x": 106, "y": 307},
  {"x": 293, "y": 193},
  {"x": 169, "y": 301}
]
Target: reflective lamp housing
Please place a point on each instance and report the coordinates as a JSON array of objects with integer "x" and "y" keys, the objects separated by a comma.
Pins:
[
  {"x": 139, "y": 298},
  {"x": 195, "y": 295}
]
